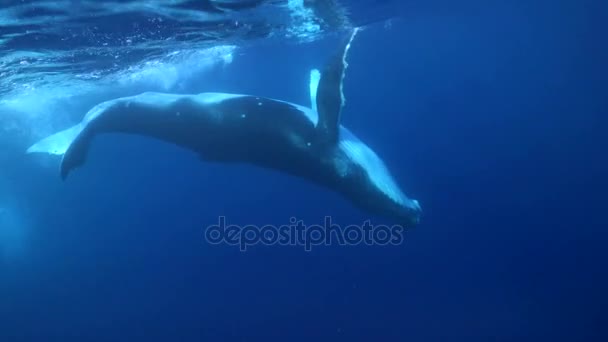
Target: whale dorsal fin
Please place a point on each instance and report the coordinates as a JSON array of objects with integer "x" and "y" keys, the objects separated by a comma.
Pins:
[{"x": 329, "y": 96}]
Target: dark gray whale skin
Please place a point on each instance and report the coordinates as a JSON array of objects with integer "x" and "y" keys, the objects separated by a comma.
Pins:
[
  {"x": 248, "y": 129},
  {"x": 232, "y": 128}
]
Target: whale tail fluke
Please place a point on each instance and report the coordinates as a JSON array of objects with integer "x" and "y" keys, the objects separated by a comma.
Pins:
[
  {"x": 70, "y": 143},
  {"x": 58, "y": 143},
  {"x": 75, "y": 155}
]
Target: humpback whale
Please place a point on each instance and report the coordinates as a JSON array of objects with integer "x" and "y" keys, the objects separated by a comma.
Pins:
[{"x": 307, "y": 142}]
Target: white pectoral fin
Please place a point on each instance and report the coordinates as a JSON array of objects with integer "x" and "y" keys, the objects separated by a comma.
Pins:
[
  {"x": 330, "y": 96},
  {"x": 57, "y": 143},
  {"x": 315, "y": 78}
]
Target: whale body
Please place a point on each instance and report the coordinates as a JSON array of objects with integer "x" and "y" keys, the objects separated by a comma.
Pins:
[{"x": 306, "y": 142}]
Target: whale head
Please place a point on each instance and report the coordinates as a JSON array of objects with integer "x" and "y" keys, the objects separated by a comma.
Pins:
[{"x": 369, "y": 184}]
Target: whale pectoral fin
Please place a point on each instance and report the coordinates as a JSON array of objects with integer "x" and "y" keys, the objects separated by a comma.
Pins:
[
  {"x": 329, "y": 96},
  {"x": 315, "y": 77}
]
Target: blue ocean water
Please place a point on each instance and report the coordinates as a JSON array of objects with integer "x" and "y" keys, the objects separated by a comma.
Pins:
[{"x": 491, "y": 114}]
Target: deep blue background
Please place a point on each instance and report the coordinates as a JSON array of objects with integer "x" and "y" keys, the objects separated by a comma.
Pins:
[{"x": 491, "y": 114}]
